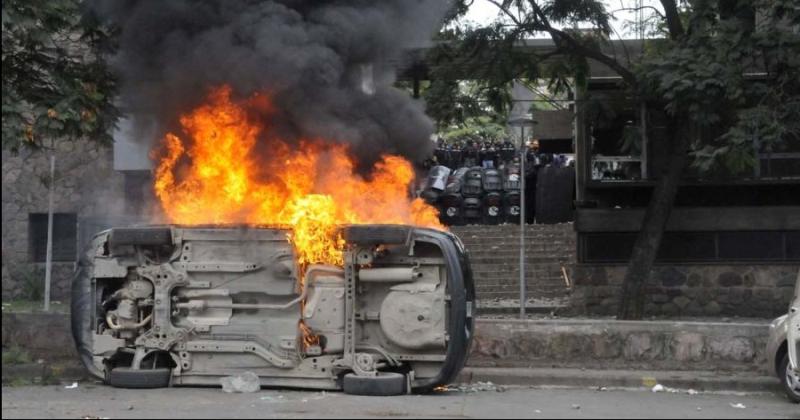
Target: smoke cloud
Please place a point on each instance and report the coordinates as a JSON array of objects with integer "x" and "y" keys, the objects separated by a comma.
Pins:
[{"x": 310, "y": 56}]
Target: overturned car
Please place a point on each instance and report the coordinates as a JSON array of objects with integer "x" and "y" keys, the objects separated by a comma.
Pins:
[{"x": 177, "y": 305}]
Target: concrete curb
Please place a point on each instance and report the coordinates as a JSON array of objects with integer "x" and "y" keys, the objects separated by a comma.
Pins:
[
  {"x": 578, "y": 378},
  {"x": 569, "y": 378}
]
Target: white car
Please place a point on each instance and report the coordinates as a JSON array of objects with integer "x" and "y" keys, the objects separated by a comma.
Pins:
[{"x": 783, "y": 347}]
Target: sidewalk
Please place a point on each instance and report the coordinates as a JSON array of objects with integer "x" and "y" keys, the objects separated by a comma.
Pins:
[{"x": 673, "y": 381}]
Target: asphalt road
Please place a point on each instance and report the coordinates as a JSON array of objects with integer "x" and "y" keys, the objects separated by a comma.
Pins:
[{"x": 98, "y": 401}]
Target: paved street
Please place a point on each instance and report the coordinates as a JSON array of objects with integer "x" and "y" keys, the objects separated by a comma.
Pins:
[{"x": 99, "y": 401}]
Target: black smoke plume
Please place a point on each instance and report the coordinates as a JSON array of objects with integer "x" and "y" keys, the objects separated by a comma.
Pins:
[{"x": 310, "y": 55}]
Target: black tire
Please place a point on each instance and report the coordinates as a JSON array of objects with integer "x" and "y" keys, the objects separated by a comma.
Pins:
[
  {"x": 376, "y": 234},
  {"x": 783, "y": 374},
  {"x": 143, "y": 378},
  {"x": 385, "y": 384}
]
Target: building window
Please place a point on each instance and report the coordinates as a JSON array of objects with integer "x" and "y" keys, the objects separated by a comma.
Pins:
[
  {"x": 138, "y": 190},
  {"x": 65, "y": 237},
  {"x": 742, "y": 246}
]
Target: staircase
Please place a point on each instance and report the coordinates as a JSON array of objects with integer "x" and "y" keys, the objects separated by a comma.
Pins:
[{"x": 494, "y": 256}]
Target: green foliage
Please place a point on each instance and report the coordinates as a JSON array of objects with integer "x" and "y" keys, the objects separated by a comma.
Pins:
[
  {"x": 15, "y": 356},
  {"x": 452, "y": 102},
  {"x": 56, "y": 83},
  {"x": 476, "y": 127},
  {"x": 733, "y": 86},
  {"x": 32, "y": 282},
  {"x": 739, "y": 85}
]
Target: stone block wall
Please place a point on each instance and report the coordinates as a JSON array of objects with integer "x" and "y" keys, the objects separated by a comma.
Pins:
[
  {"x": 85, "y": 184},
  {"x": 760, "y": 291},
  {"x": 610, "y": 344}
]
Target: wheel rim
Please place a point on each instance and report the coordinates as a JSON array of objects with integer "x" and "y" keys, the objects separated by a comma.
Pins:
[{"x": 793, "y": 382}]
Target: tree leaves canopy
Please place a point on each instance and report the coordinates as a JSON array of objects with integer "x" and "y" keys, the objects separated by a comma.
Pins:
[
  {"x": 731, "y": 68},
  {"x": 56, "y": 84}
]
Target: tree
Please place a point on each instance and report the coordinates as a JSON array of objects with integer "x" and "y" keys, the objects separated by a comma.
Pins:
[
  {"x": 697, "y": 68},
  {"x": 56, "y": 83}
]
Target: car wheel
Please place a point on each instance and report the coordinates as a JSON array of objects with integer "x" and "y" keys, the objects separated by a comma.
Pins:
[
  {"x": 384, "y": 384},
  {"x": 790, "y": 381},
  {"x": 138, "y": 378}
]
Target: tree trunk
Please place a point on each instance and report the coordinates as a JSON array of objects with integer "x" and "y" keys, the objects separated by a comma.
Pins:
[{"x": 655, "y": 220}]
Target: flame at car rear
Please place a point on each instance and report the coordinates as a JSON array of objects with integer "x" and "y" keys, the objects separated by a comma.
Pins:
[{"x": 228, "y": 167}]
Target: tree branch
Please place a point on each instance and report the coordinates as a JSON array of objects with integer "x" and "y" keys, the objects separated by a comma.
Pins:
[
  {"x": 567, "y": 41},
  {"x": 673, "y": 19},
  {"x": 636, "y": 9}
]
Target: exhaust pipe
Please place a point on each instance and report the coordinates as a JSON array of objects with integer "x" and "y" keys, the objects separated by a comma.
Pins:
[{"x": 389, "y": 275}]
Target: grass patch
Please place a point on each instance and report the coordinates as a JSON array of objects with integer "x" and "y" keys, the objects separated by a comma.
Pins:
[
  {"x": 16, "y": 356},
  {"x": 25, "y": 305}
]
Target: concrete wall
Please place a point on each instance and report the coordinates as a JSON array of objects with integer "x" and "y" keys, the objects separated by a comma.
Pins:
[
  {"x": 590, "y": 344},
  {"x": 86, "y": 185},
  {"x": 608, "y": 344},
  {"x": 742, "y": 290}
]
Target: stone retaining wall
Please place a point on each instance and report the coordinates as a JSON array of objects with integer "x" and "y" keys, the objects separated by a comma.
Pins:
[
  {"x": 761, "y": 291},
  {"x": 607, "y": 344},
  {"x": 589, "y": 344},
  {"x": 42, "y": 335},
  {"x": 85, "y": 185}
]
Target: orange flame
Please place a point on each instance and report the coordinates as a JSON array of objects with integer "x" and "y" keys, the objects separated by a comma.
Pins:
[{"x": 230, "y": 168}]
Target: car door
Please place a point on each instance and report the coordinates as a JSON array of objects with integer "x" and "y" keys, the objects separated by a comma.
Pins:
[{"x": 793, "y": 335}]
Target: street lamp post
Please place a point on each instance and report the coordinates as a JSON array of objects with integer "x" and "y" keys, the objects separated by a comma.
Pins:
[{"x": 522, "y": 121}]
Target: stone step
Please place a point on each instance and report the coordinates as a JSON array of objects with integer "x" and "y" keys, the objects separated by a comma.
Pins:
[
  {"x": 533, "y": 260},
  {"x": 539, "y": 277},
  {"x": 491, "y": 270},
  {"x": 530, "y": 310},
  {"x": 506, "y": 226},
  {"x": 513, "y": 234},
  {"x": 539, "y": 294},
  {"x": 486, "y": 253},
  {"x": 500, "y": 273},
  {"x": 514, "y": 245},
  {"x": 515, "y": 286},
  {"x": 514, "y": 297},
  {"x": 515, "y": 237},
  {"x": 530, "y": 279}
]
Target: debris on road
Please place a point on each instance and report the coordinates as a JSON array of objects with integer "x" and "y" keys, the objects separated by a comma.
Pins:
[
  {"x": 73, "y": 386},
  {"x": 245, "y": 382},
  {"x": 476, "y": 387},
  {"x": 576, "y": 406},
  {"x": 738, "y": 405},
  {"x": 662, "y": 388}
]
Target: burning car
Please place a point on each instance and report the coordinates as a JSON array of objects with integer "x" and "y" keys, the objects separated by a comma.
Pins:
[{"x": 188, "y": 305}]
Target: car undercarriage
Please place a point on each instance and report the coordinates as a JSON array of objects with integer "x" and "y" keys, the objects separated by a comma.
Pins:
[{"x": 190, "y": 305}]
